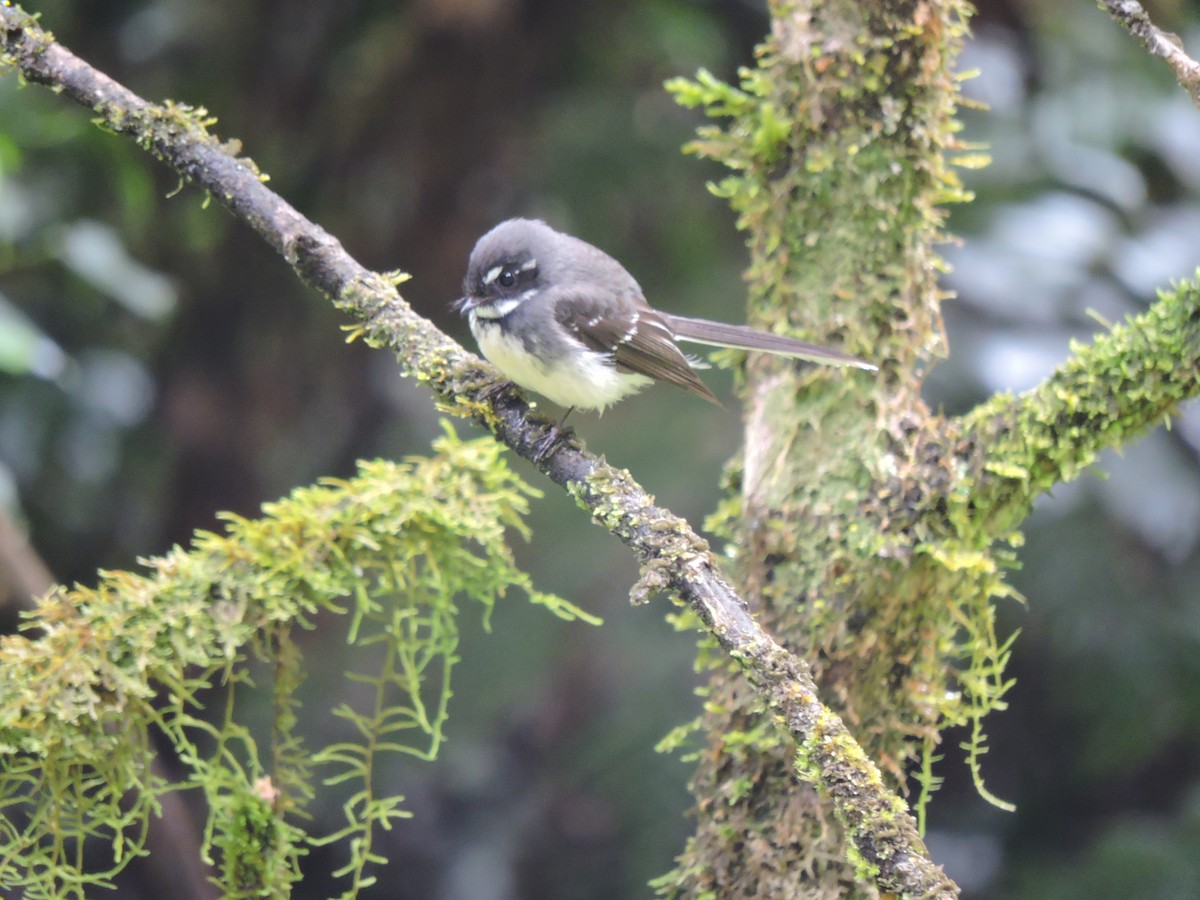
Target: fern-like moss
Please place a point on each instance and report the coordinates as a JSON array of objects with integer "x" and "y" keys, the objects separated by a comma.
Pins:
[{"x": 100, "y": 670}]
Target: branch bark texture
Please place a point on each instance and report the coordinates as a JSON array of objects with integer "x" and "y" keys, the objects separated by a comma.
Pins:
[{"x": 1133, "y": 18}]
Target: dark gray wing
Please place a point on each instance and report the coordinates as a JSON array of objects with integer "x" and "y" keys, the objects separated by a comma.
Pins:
[{"x": 636, "y": 336}]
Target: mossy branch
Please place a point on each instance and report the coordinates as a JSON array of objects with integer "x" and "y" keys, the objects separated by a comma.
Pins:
[
  {"x": 1133, "y": 18},
  {"x": 1108, "y": 392},
  {"x": 674, "y": 558},
  {"x": 394, "y": 548}
]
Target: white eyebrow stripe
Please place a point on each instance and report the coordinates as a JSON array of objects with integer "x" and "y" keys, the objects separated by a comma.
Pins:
[
  {"x": 529, "y": 265},
  {"x": 492, "y": 274}
]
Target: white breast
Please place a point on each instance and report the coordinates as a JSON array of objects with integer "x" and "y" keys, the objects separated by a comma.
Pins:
[{"x": 584, "y": 380}]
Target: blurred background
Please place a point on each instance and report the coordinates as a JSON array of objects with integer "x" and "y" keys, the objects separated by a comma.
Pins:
[{"x": 159, "y": 363}]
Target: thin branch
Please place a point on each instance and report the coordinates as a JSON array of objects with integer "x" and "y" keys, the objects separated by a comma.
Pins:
[
  {"x": 21, "y": 566},
  {"x": 1131, "y": 15},
  {"x": 673, "y": 557}
]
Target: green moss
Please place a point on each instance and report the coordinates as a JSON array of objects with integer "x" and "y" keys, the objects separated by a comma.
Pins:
[
  {"x": 1106, "y": 393},
  {"x": 34, "y": 41},
  {"x": 837, "y": 144},
  {"x": 391, "y": 552},
  {"x": 256, "y": 847}
]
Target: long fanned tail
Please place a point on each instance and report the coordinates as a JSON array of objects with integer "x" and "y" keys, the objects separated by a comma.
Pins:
[{"x": 742, "y": 337}]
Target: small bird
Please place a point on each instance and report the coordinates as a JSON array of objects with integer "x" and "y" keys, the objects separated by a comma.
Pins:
[{"x": 563, "y": 318}]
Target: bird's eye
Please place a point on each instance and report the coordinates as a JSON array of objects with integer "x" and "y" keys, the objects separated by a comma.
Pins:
[{"x": 507, "y": 278}]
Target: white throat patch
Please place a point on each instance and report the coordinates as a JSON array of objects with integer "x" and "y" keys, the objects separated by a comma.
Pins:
[
  {"x": 501, "y": 308},
  {"x": 497, "y": 310}
]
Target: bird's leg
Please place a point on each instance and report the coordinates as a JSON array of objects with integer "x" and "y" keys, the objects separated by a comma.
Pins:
[{"x": 554, "y": 434}]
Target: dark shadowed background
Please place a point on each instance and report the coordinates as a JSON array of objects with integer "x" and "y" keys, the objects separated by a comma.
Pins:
[{"x": 158, "y": 363}]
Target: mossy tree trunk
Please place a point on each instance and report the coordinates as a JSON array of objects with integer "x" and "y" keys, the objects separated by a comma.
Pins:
[
  {"x": 873, "y": 533},
  {"x": 838, "y": 141}
]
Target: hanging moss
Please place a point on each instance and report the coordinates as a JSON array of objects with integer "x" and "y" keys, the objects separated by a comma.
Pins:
[{"x": 102, "y": 669}]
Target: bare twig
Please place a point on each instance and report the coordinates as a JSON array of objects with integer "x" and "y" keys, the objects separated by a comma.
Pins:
[
  {"x": 1131, "y": 15},
  {"x": 20, "y": 566},
  {"x": 673, "y": 557}
]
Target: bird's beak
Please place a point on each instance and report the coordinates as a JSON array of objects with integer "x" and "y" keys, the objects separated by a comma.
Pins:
[{"x": 465, "y": 304}]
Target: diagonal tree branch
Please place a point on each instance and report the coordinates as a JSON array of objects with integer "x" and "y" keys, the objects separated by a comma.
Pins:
[
  {"x": 1125, "y": 382},
  {"x": 1131, "y": 15},
  {"x": 673, "y": 557}
]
